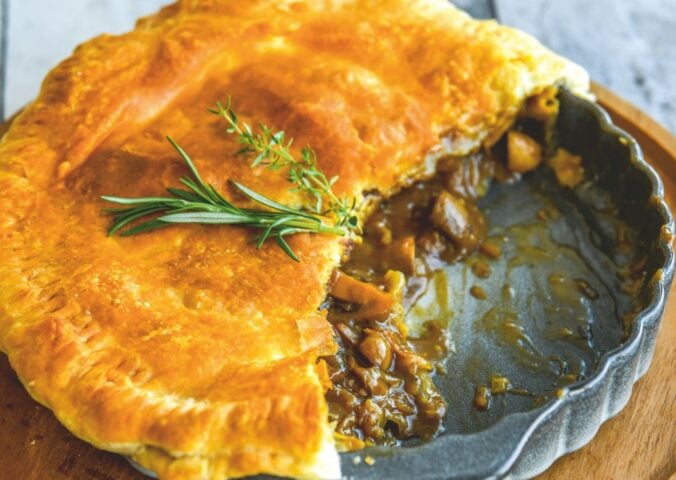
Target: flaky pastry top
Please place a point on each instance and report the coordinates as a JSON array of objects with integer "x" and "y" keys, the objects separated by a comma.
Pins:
[{"x": 187, "y": 348}]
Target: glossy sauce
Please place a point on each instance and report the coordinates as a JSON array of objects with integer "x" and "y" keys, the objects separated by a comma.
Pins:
[
  {"x": 382, "y": 389},
  {"x": 569, "y": 296}
]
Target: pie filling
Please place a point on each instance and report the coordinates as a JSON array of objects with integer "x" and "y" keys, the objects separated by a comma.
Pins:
[{"x": 382, "y": 388}]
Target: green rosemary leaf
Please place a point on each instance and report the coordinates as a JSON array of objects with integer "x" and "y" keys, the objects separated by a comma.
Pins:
[
  {"x": 196, "y": 189},
  {"x": 144, "y": 227},
  {"x": 205, "y": 217},
  {"x": 203, "y": 203},
  {"x": 132, "y": 201},
  {"x": 125, "y": 218},
  {"x": 271, "y": 228},
  {"x": 187, "y": 160},
  {"x": 257, "y": 197},
  {"x": 185, "y": 195},
  {"x": 285, "y": 246}
]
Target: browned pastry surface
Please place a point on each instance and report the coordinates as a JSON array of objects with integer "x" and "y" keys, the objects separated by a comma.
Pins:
[{"x": 187, "y": 348}]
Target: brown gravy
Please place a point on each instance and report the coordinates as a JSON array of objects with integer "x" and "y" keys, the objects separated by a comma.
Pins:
[{"x": 382, "y": 389}]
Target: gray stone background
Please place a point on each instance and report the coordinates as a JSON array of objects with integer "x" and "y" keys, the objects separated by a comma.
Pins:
[{"x": 626, "y": 45}]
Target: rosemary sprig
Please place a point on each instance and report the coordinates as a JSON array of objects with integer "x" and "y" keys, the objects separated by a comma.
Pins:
[
  {"x": 274, "y": 152},
  {"x": 202, "y": 203}
]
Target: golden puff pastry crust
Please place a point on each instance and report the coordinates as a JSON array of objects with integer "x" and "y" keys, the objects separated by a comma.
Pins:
[{"x": 186, "y": 348}]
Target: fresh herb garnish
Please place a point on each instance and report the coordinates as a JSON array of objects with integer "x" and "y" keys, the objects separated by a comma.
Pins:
[
  {"x": 202, "y": 203},
  {"x": 274, "y": 152}
]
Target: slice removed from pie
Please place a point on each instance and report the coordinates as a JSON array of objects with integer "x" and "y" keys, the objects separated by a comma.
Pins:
[{"x": 187, "y": 348}]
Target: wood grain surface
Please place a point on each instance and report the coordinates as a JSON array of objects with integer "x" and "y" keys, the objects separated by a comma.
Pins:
[{"x": 639, "y": 443}]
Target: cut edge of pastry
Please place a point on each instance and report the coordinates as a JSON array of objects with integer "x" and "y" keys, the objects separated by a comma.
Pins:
[{"x": 323, "y": 464}]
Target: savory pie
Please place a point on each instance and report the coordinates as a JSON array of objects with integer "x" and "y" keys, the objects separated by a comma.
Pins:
[{"x": 187, "y": 348}]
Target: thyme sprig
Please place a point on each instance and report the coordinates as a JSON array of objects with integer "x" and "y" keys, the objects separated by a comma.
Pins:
[
  {"x": 202, "y": 203},
  {"x": 273, "y": 151}
]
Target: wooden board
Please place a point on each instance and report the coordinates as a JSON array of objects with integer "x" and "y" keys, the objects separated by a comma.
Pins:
[{"x": 639, "y": 443}]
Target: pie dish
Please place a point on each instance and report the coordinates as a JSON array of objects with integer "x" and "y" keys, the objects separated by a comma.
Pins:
[{"x": 188, "y": 349}]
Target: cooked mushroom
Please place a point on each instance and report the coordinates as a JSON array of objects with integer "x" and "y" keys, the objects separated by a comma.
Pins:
[
  {"x": 375, "y": 303},
  {"x": 523, "y": 153}
]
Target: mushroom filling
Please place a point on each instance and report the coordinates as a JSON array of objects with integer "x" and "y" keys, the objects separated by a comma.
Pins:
[{"x": 382, "y": 390}]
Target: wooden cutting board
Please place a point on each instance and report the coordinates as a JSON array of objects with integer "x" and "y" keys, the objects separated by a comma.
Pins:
[{"x": 639, "y": 443}]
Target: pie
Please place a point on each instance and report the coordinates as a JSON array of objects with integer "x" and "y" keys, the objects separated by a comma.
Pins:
[{"x": 188, "y": 349}]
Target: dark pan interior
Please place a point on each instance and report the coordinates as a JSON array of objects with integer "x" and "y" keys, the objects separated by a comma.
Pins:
[
  {"x": 555, "y": 302},
  {"x": 573, "y": 304}
]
